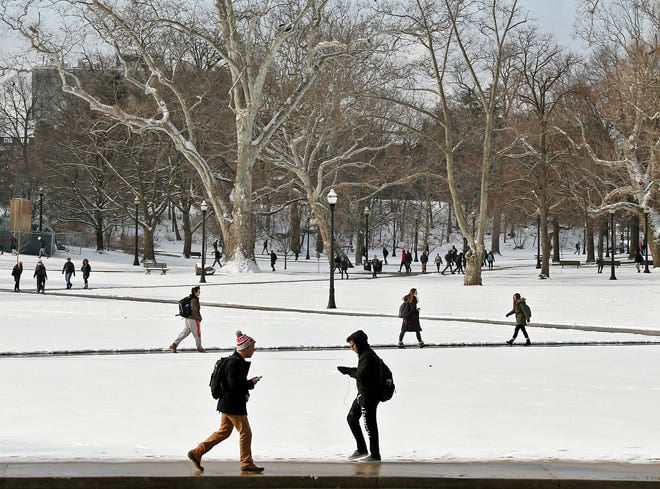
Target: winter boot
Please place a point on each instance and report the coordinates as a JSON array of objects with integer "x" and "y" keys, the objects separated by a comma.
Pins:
[
  {"x": 509, "y": 342},
  {"x": 527, "y": 343},
  {"x": 422, "y": 344},
  {"x": 196, "y": 458},
  {"x": 173, "y": 347},
  {"x": 401, "y": 344}
]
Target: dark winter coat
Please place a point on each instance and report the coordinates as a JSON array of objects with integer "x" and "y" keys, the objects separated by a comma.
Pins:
[
  {"x": 40, "y": 272},
  {"x": 519, "y": 311},
  {"x": 411, "y": 317},
  {"x": 86, "y": 270},
  {"x": 234, "y": 400},
  {"x": 424, "y": 258},
  {"x": 69, "y": 267},
  {"x": 367, "y": 375},
  {"x": 17, "y": 271}
]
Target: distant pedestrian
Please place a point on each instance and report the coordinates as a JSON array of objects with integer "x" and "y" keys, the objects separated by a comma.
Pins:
[
  {"x": 403, "y": 259},
  {"x": 41, "y": 276},
  {"x": 490, "y": 258},
  {"x": 599, "y": 263},
  {"x": 233, "y": 406},
  {"x": 68, "y": 270},
  {"x": 42, "y": 247},
  {"x": 217, "y": 255},
  {"x": 410, "y": 315},
  {"x": 409, "y": 260},
  {"x": 438, "y": 261},
  {"x": 16, "y": 273},
  {"x": 450, "y": 257},
  {"x": 460, "y": 258},
  {"x": 265, "y": 248},
  {"x": 367, "y": 377},
  {"x": 86, "y": 269},
  {"x": 385, "y": 255},
  {"x": 193, "y": 323},
  {"x": 577, "y": 248},
  {"x": 273, "y": 259},
  {"x": 424, "y": 259},
  {"x": 343, "y": 266},
  {"x": 522, "y": 312},
  {"x": 376, "y": 267},
  {"x": 639, "y": 260}
]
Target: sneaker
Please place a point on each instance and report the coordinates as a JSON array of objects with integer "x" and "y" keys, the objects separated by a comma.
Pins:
[
  {"x": 196, "y": 460},
  {"x": 357, "y": 454},
  {"x": 509, "y": 342},
  {"x": 401, "y": 344},
  {"x": 201, "y": 350},
  {"x": 370, "y": 459},
  {"x": 252, "y": 468},
  {"x": 173, "y": 347}
]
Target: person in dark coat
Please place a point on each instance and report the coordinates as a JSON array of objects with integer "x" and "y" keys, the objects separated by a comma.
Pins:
[
  {"x": 376, "y": 267},
  {"x": 233, "y": 406},
  {"x": 86, "y": 269},
  {"x": 409, "y": 260},
  {"x": 367, "y": 377},
  {"x": 273, "y": 259},
  {"x": 68, "y": 270},
  {"x": 520, "y": 310},
  {"x": 16, "y": 273},
  {"x": 343, "y": 266},
  {"x": 41, "y": 276},
  {"x": 385, "y": 255},
  {"x": 424, "y": 259},
  {"x": 410, "y": 314}
]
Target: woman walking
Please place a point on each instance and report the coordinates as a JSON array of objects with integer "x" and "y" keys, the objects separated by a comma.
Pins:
[
  {"x": 86, "y": 269},
  {"x": 16, "y": 273},
  {"x": 410, "y": 314},
  {"x": 523, "y": 313}
]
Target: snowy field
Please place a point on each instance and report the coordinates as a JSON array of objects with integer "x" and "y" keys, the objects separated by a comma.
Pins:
[{"x": 588, "y": 389}]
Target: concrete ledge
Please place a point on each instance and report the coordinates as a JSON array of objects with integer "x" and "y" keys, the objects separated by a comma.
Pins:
[{"x": 308, "y": 475}]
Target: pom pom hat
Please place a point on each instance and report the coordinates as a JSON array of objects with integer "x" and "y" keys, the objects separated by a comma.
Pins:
[{"x": 243, "y": 341}]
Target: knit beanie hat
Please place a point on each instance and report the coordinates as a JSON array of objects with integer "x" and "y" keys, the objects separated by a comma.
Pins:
[{"x": 243, "y": 341}]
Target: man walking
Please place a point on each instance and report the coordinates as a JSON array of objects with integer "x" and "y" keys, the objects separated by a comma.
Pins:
[
  {"x": 367, "y": 377},
  {"x": 273, "y": 259},
  {"x": 193, "y": 323},
  {"x": 68, "y": 270},
  {"x": 233, "y": 406}
]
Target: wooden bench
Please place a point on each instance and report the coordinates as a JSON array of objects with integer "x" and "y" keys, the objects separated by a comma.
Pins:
[
  {"x": 608, "y": 263},
  {"x": 195, "y": 254},
  {"x": 152, "y": 265},
  {"x": 575, "y": 263}
]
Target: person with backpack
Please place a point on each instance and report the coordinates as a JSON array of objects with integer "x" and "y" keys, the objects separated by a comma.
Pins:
[
  {"x": 16, "y": 272},
  {"x": 367, "y": 377},
  {"x": 410, "y": 315},
  {"x": 343, "y": 266},
  {"x": 233, "y": 406},
  {"x": 449, "y": 261},
  {"x": 193, "y": 322},
  {"x": 523, "y": 315},
  {"x": 490, "y": 258}
]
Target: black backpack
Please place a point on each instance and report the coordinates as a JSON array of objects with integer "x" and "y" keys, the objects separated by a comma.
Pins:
[
  {"x": 386, "y": 382},
  {"x": 218, "y": 379},
  {"x": 404, "y": 309},
  {"x": 527, "y": 310},
  {"x": 184, "y": 307}
]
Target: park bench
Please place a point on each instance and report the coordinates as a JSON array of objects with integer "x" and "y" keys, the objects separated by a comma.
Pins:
[
  {"x": 152, "y": 265},
  {"x": 575, "y": 263},
  {"x": 608, "y": 263},
  {"x": 195, "y": 254}
]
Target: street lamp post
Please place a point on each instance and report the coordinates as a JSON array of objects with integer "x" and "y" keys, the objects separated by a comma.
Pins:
[
  {"x": 538, "y": 241},
  {"x": 307, "y": 255},
  {"x": 136, "y": 260},
  {"x": 646, "y": 240},
  {"x": 41, "y": 208},
  {"x": 203, "y": 207},
  {"x": 415, "y": 259},
  {"x": 366, "y": 233},
  {"x": 332, "y": 200},
  {"x": 612, "y": 274}
]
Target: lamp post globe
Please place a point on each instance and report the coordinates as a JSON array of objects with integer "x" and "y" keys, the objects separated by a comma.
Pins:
[
  {"x": 136, "y": 260},
  {"x": 204, "y": 207},
  {"x": 332, "y": 200},
  {"x": 612, "y": 274},
  {"x": 646, "y": 240}
]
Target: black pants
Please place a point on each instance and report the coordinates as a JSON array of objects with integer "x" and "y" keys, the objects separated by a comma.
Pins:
[
  {"x": 417, "y": 333},
  {"x": 520, "y": 328},
  {"x": 370, "y": 424}
]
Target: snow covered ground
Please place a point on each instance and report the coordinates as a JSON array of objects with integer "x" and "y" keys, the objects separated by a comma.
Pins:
[{"x": 589, "y": 389}]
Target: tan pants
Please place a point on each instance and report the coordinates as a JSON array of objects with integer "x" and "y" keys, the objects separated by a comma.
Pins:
[{"x": 227, "y": 424}]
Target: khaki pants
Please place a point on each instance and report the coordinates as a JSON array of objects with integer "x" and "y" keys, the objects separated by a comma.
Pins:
[{"x": 227, "y": 424}]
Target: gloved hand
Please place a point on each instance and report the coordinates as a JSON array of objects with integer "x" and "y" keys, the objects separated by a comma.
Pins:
[{"x": 344, "y": 370}]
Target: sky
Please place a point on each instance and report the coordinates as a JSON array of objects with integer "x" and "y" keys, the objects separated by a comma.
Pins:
[{"x": 581, "y": 392}]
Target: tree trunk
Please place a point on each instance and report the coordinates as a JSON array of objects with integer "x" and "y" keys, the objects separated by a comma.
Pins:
[
  {"x": 495, "y": 233},
  {"x": 555, "y": 241},
  {"x": 187, "y": 232},
  {"x": 472, "y": 268},
  {"x": 591, "y": 258}
]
